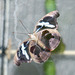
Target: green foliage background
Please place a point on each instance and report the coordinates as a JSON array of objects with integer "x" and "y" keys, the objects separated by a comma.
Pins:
[{"x": 49, "y": 66}]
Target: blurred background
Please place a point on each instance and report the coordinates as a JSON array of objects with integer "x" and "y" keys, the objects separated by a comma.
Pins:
[{"x": 62, "y": 60}]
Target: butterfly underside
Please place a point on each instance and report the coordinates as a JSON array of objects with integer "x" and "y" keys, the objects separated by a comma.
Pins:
[{"x": 44, "y": 39}]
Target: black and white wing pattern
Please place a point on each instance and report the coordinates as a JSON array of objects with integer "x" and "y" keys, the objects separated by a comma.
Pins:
[
  {"x": 22, "y": 54},
  {"x": 48, "y": 21},
  {"x": 44, "y": 39}
]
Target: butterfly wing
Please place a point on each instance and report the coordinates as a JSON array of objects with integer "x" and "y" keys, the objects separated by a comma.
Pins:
[
  {"x": 22, "y": 54},
  {"x": 37, "y": 53},
  {"x": 46, "y": 30},
  {"x": 49, "y": 37},
  {"x": 48, "y": 21}
]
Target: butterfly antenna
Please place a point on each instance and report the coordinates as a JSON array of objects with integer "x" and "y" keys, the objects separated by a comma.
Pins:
[
  {"x": 19, "y": 33},
  {"x": 24, "y": 26}
]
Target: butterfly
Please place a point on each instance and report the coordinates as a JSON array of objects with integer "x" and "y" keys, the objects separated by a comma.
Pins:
[{"x": 44, "y": 39}]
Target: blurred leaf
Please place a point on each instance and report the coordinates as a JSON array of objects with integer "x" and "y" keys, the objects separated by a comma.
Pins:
[
  {"x": 50, "y": 5},
  {"x": 49, "y": 68}
]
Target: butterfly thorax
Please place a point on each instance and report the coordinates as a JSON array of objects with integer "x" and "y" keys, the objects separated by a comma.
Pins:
[{"x": 35, "y": 38}]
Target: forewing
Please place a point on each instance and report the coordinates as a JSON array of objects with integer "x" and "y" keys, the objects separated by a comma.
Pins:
[
  {"x": 48, "y": 21},
  {"x": 22, "y": 54}
]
